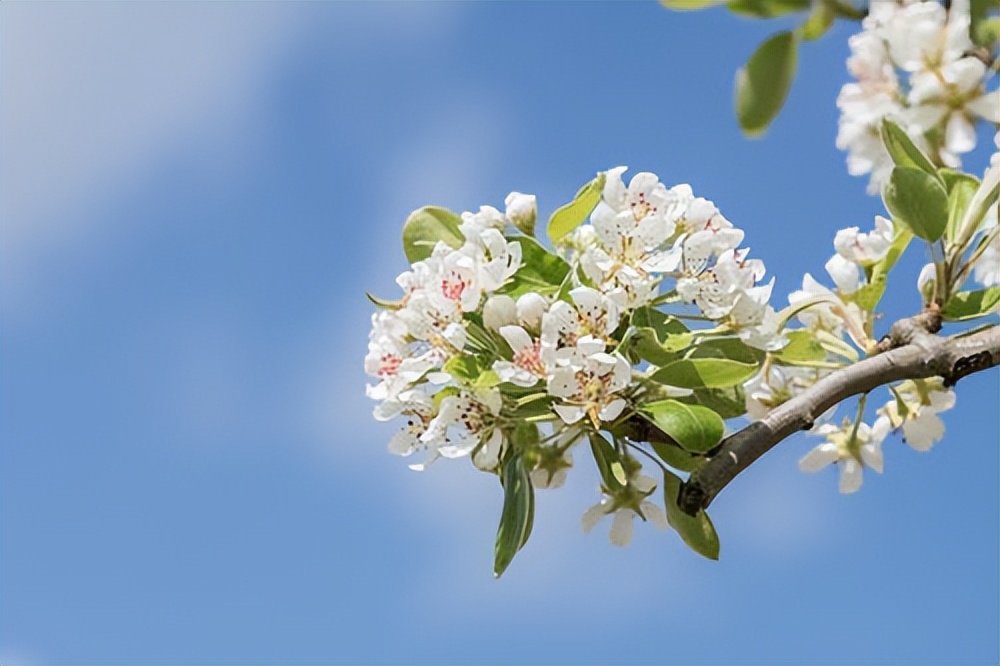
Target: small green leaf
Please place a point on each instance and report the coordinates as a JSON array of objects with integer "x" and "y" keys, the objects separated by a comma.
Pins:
[
  {"x": 902, "y": 150},
  {"x": 688, "y": 5},
  {"x": 733, "y": 349},
  {"x": 694, "y": 427},
  {"x": 383, "y": 303},
  {"x": 425, "y": 227},
  {"x": 767, "y": 8},
  {"x": 462, "y": 366},
  {"x": 971, "y": 304},
  {"x": 820, "y": 20},
  {"x": 961, "y": 189},
  {"x": 518, "y": 513},
  {"x": 917, "y": 200},
  {"x": 704, "y": 372},
  {"x": 697, "y": 531},
  {"x": 541, "y": 271},
  {"x": 570, "y": 216},
  {"x": 868, "y": 296},
  {"x": 763, "y": 84},
  {"x": 802, "y": 349}
]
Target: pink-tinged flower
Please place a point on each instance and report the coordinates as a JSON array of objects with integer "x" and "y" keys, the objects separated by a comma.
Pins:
[
  {"x": 864, "y": 249},
  {"x": 528, "y": 364},
  {"x": 462, "y": 422}
]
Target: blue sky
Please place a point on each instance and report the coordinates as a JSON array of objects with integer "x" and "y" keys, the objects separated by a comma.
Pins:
[{"x": 194, "y": 198}]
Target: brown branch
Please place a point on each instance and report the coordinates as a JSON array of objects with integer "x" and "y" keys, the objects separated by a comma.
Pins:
[{"x": 910, "y": 351}]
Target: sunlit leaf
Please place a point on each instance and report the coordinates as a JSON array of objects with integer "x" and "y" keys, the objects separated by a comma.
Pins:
[
  {"x": 568, "y": 217},
  {"x": 425, "y": 227},
  {"x": 694, "y": 427},
  {"x": 917, "y": 200},
  {"x": 763, "y": 84}
]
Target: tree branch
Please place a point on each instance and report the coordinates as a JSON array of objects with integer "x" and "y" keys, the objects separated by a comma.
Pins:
[{"x": 910, "y": 351}]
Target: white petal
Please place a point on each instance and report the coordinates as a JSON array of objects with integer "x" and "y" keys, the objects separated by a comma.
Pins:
[
  {"x": 591, "y": 517},
  {"x": 819, "y": 457},
  {"x": 871, "y": 454},
  {"x": 654, "y": 514},
  {"x": 569, "y": 413},
  {"x": 621, "y": 527},
  {"x": 850, "y": 476},
  {"x": 923, "y": 431}
]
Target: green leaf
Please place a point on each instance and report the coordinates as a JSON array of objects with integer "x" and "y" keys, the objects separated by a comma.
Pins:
[
  {"x": 568, "y": 217},
  {"x": 971, "y": 304},
  {"x": 820, "y": 20},
  {"x": 677, "y": 457},
  {"x": 802, "y": 349},
  {"x": 687, "y": 5},
  {"x": 961, "y": 189},
  {"x": 696, "y": 428},
  {"x": 733, "y": 349},
  {"x": 767, "y": 8},
  {"x": 763, "y": 84},
  {"x": 541, "y": 271},
  {"x": 697, "y": 531},
  {"x": 704, "y": 372},
  {"x": 728, "y": 403},
  {"x": 917, "y": 200},
  {"x": 518, "y": 513},
  {"x": 607, "y": 460},
  {"x": 425, "y": 227},
  {"x": 462, "y": 366},
  {"x": 383, "y": 303},
  {"x": 902, "y": 150},
  {"x": 646, "y": 345}
]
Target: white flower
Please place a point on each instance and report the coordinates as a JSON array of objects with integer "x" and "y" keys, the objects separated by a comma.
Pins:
[
  {"x": 587, "y": 384},
  {"x": 921, "y": 403},
  {"x": 592, "y": 314},
  {"x": 782, "y": 383},
  {"x": 461, "y": 423},
  {"x": 864, "y": 249},
  {"x": 528, "y": 364},
  {"x": 624, "y": 507},
  {"x": 851, "y": 448}
]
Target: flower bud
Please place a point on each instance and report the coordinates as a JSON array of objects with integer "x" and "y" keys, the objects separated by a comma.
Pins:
[
  {"x": 522, "y": 211},
  {"x": 927, "y": 283},
  {"x": 530, "y": 308},
  {"x": 499, "y": 311}
]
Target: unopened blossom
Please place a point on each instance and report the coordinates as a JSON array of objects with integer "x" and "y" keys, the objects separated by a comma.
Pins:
[
  {"x": 531, "y": 307},
  {"x": 851, "y": 448},
  {"x": 624, "y": 506},
  {"x": 499, "y": 310},
  {"x": 918, "y": 418},
  {"x": 589, "y": 384},
  {"x": 828, "y": 311},
  {"x": 846, "y": 274},
  {"x": 522, "y": 211}
]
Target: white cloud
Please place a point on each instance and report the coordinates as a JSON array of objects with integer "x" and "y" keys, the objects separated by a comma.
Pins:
[{"x": 96, "y": 96}]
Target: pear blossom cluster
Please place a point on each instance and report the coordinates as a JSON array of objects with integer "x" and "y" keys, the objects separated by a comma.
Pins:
[
  {"x": 643, "y": 233},
  {"x": 914, "y": 62},
  {"x": 410, "y": 345}
]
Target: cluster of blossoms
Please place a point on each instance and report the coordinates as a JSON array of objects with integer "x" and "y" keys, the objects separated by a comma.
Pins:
[
  {"x": 913, "y": 61},
  {"x": 551, "y": 349}
]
